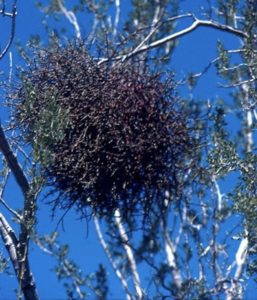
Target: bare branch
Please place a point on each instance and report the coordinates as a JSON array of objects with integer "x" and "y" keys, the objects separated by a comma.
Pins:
[
  {"x": 71, "y": 18},
  {"x": 130, "y": 255},
  {"x": 241, "y": 257},
  {"x": 235, "y": 290},
  {"x": 117, "y": 17},
  {"x": 111, "y": 259},
  {"x": 25, "y": 277},
  {"x": 10, "y": 242},
  {"x": 238, "y": 84},
  {"x": 13, "y": 25},
  {"x": 13, "y": 163},
  {"x": 170, "y": 254},
  {"x": 14, "y": 212},
  {"x": 10, "y": 67},
  {"x": 216, "y": 190},
  {"x": 197, "y": 23}
]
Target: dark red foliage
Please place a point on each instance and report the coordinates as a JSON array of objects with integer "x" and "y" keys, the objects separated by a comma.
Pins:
[{"x": 125, "y": 142}]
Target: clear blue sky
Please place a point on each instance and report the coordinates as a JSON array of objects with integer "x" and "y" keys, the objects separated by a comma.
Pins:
[{"x": 192, "y": 54}]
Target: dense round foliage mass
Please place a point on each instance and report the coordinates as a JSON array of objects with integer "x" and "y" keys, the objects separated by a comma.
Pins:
[{"x": 106, "y": 137}]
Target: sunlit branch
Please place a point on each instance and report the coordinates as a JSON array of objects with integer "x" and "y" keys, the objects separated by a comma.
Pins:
[
  {"x": 171, "y": 259},
  {"x": 217, "y": 191},
  {"x": 196, "y": 24},
  {"x": 71, "y": 18},
  {"x": 6, "y": 14},
  {"x": 129, "y": 253},
  {"x": 14, "y": 212},
  {"x": 239, "y": 83},
  {"x": 235, "y": 290},
  {"x": 40, "y": 245},
  {"x": 25, "y": 277},
  {"x": 238, "y": 66},
  {"x": 249, "y": 119},
  {"x": 156, "y": 14},
  {"x": 181, "y": 229},
  {"x": 111, "y": 259},
  {"x": 241, "y": 256},
  {"x": 249, "y": 136},
  {"x": 214, "y": 249},
  {"x": 10, "y": 242},
  {"x": 117, "y": 17},
  {"x": 10, "y": 67},
  {"x": 66, "y": 269}
]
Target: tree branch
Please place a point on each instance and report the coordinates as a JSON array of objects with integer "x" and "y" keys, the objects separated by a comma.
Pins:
[
  {"x": 117, "y": 18},
  {"x": 112, "y": 261},
  {"x": 25, "y": 277},
  {"x": 235, "y": 291},
  {"x": 13, "y": 163},
  {"x": 197, "y": 23},
  {"x": 130, "y": 255},
  {"x": 170, "y": 254},
  {"x": 13, "y": 16},
  {"x": 10, "y": 242},
  {"x": 71, "y": 18},
  {"x": 14, "y": 212}
]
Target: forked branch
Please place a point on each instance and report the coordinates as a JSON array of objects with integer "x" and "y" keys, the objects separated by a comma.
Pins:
[
  {"x": 142, "y": 47},
  {"x": 12, "y": 15}
]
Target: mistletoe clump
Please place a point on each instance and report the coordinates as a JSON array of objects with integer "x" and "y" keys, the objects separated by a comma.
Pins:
[{"x": 106, "y": 137}]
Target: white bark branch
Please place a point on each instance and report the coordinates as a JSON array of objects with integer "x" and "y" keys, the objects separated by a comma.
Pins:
[
  {"x": 70, "y": 16},
  {"x": 241, "y": 256},
  {"x": 14, "y": 212},
  {"x": 248, "y": 117},
  {"x": 171, "y": 259},
  {"x": 217, "y": 192},
  {"x": 117, "y": 18},
  {"x": 10, "y": 67},
  {"x": 130, "y": 255},
  {"x": 249, "y": 135},
  {"x": 112, "y": 261},
  {"x": 197, "y": 23},
  {"x": 239, "y": 83},
  {"x": 24, "y": 276},
  {"x": 10, "y": 242},
  {"x": 236, "y": 291}
]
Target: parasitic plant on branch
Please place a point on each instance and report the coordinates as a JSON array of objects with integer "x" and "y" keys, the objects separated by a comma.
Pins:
[{"x": 107, "y": 137}]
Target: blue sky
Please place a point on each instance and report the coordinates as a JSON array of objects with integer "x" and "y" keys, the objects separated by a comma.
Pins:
[{"x": 192, "y": 54}]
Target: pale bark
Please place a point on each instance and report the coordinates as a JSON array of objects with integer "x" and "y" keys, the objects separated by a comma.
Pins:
[
  {"x": 130, "y": 255},
  {"x": 112, "y": 260},
  {"x": 142, "y": 47}
]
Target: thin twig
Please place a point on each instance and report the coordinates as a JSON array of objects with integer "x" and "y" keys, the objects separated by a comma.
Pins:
[
  {"x": 238, "y": 84},
  {"x": 14, "y": 212}
]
